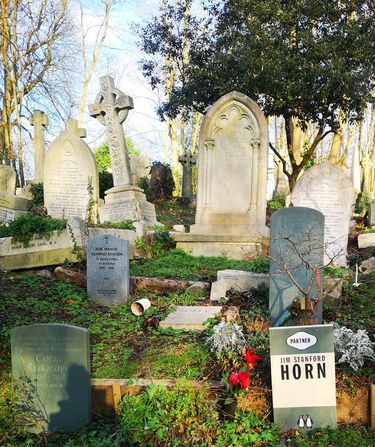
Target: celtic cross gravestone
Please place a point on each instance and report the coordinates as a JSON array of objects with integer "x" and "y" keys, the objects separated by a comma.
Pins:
[{"x": 124, "y": 201}]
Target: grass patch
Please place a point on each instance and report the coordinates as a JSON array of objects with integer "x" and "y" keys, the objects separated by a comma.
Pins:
[
  {"x": 124, "y": 225},
  {"x": 25, "y": 227},
  {"x": 356, "y": 308},
  {"x": 180, "y": 265},
  {"x": 174, "y": 212}
]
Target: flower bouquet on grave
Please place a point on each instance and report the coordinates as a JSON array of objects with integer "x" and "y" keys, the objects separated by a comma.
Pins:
[{"x": 237, "y": 382}]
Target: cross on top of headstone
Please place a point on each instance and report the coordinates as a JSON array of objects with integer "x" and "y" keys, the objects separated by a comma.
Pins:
[
  {"x": 72, "y": 127},
  {"x": 111, "y": 108},
  {"x": 110, "y": 99},
  {"x": 187, "y": 158},
  {"x": 39, "y": 119}
]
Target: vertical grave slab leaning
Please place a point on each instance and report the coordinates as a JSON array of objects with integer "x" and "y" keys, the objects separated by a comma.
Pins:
[
  {"x": 230, "y": 218},
  {"x": 69, "y": 170},
  {"x": 51, "y": 373},
  {"x": 297, "y": 243},
  {"x": 124, "y": 200}
]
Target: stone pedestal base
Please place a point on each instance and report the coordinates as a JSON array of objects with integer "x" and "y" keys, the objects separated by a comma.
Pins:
[
  {"x": 11, "y": 207},
  {"x": 233, "y": 247},
  {"x": 127, "y": 202}
]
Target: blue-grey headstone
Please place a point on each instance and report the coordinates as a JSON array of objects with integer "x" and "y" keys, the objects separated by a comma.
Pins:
[
  {"x": 51, "y": 373},
  {"x": 108, "y": 269},
  {"x": 297, "y": 249}
]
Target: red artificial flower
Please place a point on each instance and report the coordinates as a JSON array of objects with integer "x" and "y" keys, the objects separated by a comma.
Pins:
[
  {"x": 244, "y": 379},
  {"x": 233, "y": 379},
  {"x": 250, "y": 358}
]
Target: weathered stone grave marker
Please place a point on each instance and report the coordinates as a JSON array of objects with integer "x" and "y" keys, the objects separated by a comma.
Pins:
[
  {"x": 108, "y": 269},
  {"x": 232, "y": 175},
  {"x": 11, "y": 206},
  {"x": 326, "y": 188},
  {"x": 40, "y": 121},
  {"x": 7, "y": 179},
  {"x": 189, "y": 317},
  {"x": 51, "y": 370},
  {"x": 303, "y": 377},
  {"x": 69, "y": 172},
  {"x": 124, "y": 200},
  {"x": 188, "y": 160},
  {"x": 297, "y": 242}
]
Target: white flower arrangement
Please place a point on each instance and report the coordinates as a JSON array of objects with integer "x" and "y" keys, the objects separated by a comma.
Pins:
[
  {"x": 227, "y": 337},
  {"x": 353, "y": 348}
]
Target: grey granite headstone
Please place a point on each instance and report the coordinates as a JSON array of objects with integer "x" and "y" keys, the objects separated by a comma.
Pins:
[
  {"x": 190, "y": 317},
  {"x": 297, "y": 246},
  {"x": 51, "y": 371},
  {"x": 108, "y": 269}
]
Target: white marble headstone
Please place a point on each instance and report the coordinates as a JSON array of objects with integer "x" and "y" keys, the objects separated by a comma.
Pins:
[
  {"x": 326, "y": 188},
  {"x": 69, "y": 169}
]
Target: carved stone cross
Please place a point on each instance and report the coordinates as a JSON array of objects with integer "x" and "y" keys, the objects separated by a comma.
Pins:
[
  {"x": 72, "y": 127},
  {"x": 111, "y": 108},
  {"x": 188, "y": 160},
  {"x": 40, "y": 121}
]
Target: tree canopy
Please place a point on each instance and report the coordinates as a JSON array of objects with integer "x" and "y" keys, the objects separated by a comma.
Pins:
[{"x": 305, "y": 60}]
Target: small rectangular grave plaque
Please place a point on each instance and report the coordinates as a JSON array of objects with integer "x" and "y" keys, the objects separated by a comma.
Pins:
[
  {"x": 108, "y": 269},
  {"x": 190, "y": 317},
  {"x": 51, "y": 371},
  {"x": 303, "y": 377}
]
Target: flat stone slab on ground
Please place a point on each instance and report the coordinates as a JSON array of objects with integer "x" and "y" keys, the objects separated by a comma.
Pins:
[
  {"x": 366, "y": 240},
  {"x": 242, "y": 280},
  {"x": 189, "y": 317}
]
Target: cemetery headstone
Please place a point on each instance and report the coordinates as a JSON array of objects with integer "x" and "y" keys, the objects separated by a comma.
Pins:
[
  {"x": 7, "y": 179},
  {"x": 71, "y": 182},
  {"x": 140, "y": 166},
  {"x": 232, "y": 175},
  {"x": 303, "y": 377},
  {"x": 38, "y": 252},
  {"x": 219, "y": 290},
  {"x": 108, "y": 269},
  {"x": 188, "y": 160},
  {"x": 11, "y": 205},
  {"x": 189, "y": 317},
  {"x": 51, "y": 370},
  {"x": 326, "y": 188},
  {"x": 297, "y": 242},
  {"x": 371, "y": 214},
  {"x": 40, "y": 121},
  {"x": 123, "y": 201}
]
